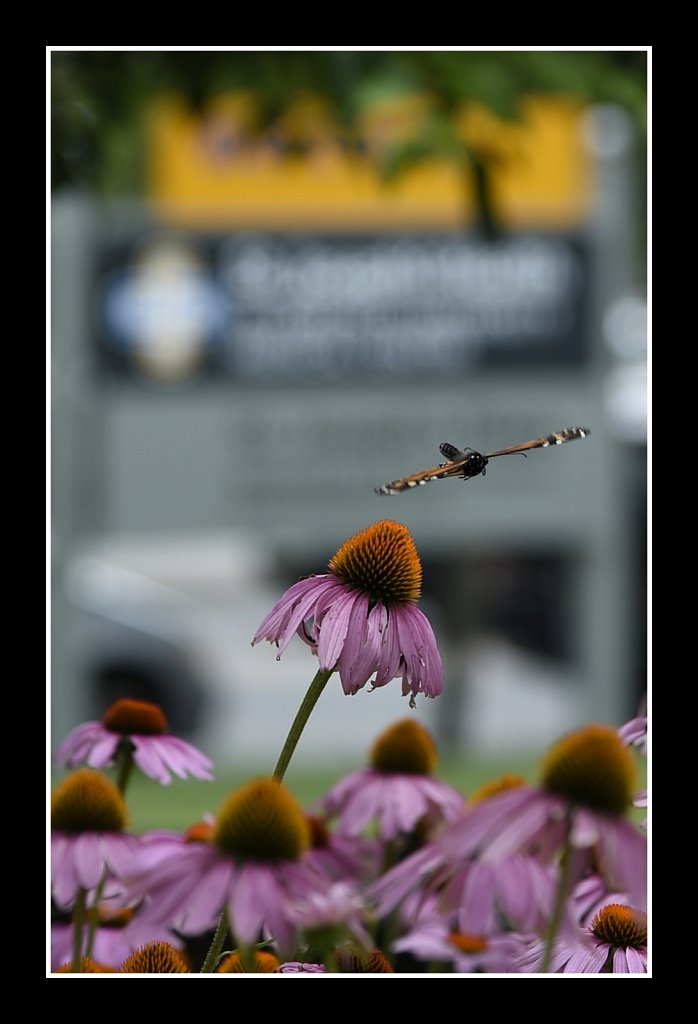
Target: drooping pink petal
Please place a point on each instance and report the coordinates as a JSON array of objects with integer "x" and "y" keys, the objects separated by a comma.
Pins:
[
  {"x": 510, "y": 834},
  {"x": 423, "y": 670},
  {"x": 174, "y": 754},
  {"x": 358, "y": 811},
  {"x": 103, "y": 750},
  {"x": 89, "y": 864},
  {"x": 477, "y": 903},
  {"x": 296, "y": 605},
  {"x": 448, "y": 801},
  {"x": 170, "y": 894},
  {"x": 118, "y": 852},
  {"x": 587, "y": 960},
  {"x": 357, "y": 659},
  {"x": 637, "y": 960},
  {"x": 149, "y": 761},
  {"x": 78, "y": 742},
  {"x": 64, "y": 882},
  {"x": 355, "y": 671},
  {"x": 389, "y": 664},
  {"x": 248, "y": 901},
  {"x": 623, "y": 851},
  {"x": 393, "y": 887},
  {"x": 208, "y": 897},
  {"x": 620, "y": 962},
  {"x": 277, "y": 620},
  {"x": 196, "y": 763},
  {"x": 404, "y": 804},
  {"x": 585, "y": 830},
  {"x": 332, "y": 628}
]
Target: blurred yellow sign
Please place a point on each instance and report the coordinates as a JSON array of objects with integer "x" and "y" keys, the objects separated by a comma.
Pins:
[{"x": 212, "y": 170}]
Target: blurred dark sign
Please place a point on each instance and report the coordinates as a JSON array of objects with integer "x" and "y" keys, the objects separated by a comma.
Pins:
[{"x": 264, "y": 307}]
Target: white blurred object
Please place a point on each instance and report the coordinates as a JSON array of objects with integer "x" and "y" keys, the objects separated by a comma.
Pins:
[
  {"x": 625, "y": 386},
  {"x": 516, "y": 701},
  {"x": 207, "y": 594}
]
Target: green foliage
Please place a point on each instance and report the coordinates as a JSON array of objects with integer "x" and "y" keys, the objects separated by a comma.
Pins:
[{"x": 100, "y": 97}]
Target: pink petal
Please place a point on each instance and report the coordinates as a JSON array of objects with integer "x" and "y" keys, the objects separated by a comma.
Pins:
[
  {"x": 148, "y": 759},
  {"x": 333, "y": 626},
  {"x": 65, "y": 883},
  {"x": 103, "y": 750},
  {"x": 476, "y": 913},
  {"x": 357, "y": 668},
  {"x": 585, "y": 960},
  {"x": 248, "y": 901},
  {"x": 637, "y": 960},
  {"x": 208, "y": 897},
  {"x": 623, "y": 852},
  {"x": 89, "y": 865},
  {"x": 118, "y": 851},
  {"x": 620, "y": 962},
  {"x": 78, "y": 742}
]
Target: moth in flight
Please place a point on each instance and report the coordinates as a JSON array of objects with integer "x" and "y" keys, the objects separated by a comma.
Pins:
[{"x": 467, "y": 463}]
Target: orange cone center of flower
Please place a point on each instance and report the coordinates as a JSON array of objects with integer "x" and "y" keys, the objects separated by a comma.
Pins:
[
  {"x": 620, "y": 926},
  {"x": 155, "y": 958},
  {"x": 592, "y": 767},
  {"x": 468, "y": 943},
  {"x": 405, "y": 747},
  {"x": 87, "y": 966},
  {"x": 110, "y": 918},
  {"x": 262, "y": 822},
  {"x": 201, "y": 832},
  {"x": 87, "y": 802},
  {"x": 319, "y": 835},
  {"x": 357, "y": 961},
  {"x": 507, "y": 781},
  {"x": 381, "y": 561},
  {"x": 134, "y": 718},
  {"x": 264, "y": 963}
]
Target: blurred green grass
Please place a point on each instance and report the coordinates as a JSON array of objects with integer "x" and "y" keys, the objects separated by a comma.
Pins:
[{"x": 183, "y": 802}]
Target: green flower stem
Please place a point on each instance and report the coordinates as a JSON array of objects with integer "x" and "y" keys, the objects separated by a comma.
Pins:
[
  {"x": 124, "y": 764},
  {"x": 560, "y": 898},
  {"x": 211, "y": 961},
  {"x": 78, "y": 923},
  {"x": 309, "y": 701}
]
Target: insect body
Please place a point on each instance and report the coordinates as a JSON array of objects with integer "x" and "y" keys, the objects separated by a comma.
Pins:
[{"x": 467, "y": 463}]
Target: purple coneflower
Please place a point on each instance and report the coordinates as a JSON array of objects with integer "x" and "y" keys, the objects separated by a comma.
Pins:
[
  {"x": 118, "y": 934},
  {"x": 614, "y": 943},
  {"x": 587, "y": 785},
  {"x": 249, "y": 864},
  {"x": 469, "y": 953},
  {"x": 397, "y": 793},
  {"x": 589, "y": 896},
  {"x": 261, "y": 960},
  {"x": 155, "y": 958},
  {"x": 88, "y": 818},
  {"x": 361, "y": 618},
  {"x": 141, "y": 729},
  {"x": 326, "y": 918},
  {"x": 482, "y": 892},
  {"x": 339, "y": 857}
]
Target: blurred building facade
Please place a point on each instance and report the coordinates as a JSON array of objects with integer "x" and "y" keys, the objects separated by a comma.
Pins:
[{"x": 240, "y": 360}]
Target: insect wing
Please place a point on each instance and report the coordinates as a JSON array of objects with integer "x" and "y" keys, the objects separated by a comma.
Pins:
[
  {"x": 559, "y": 437},
  {"x": 423, "y": 477}
]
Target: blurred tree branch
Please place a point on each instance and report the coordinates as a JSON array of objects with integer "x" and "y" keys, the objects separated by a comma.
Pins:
[{"x": 100, "y": 99}]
